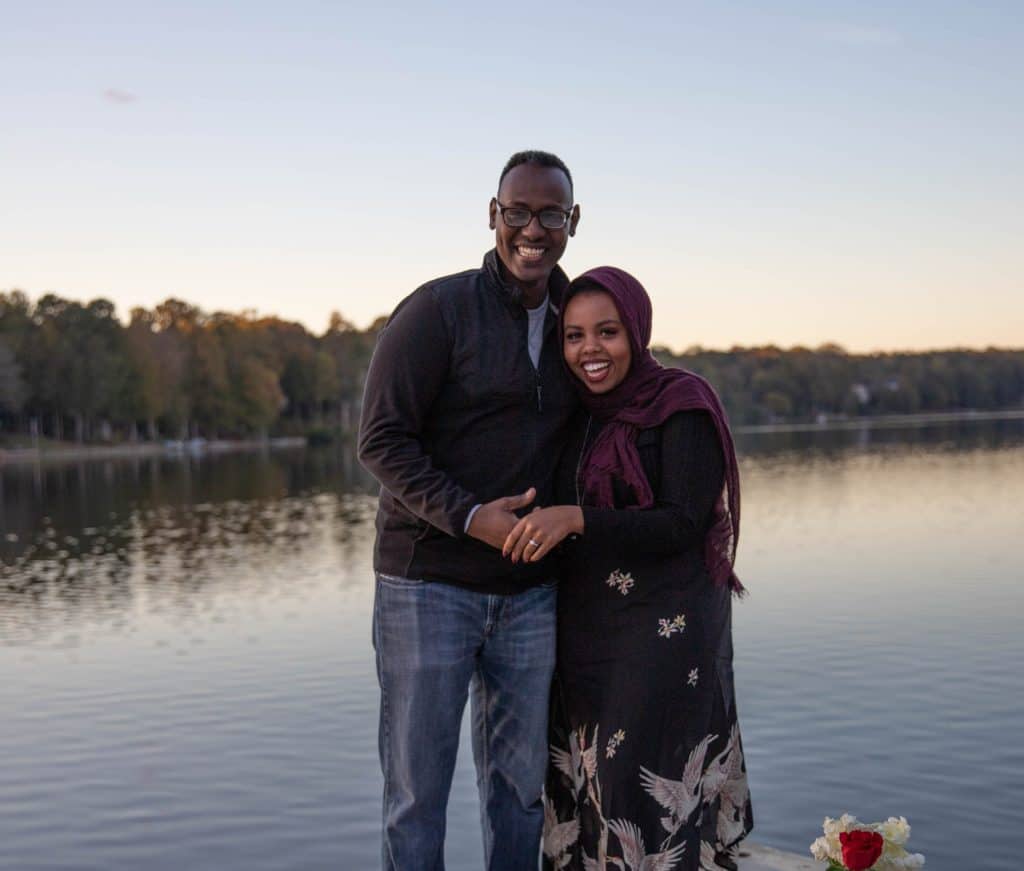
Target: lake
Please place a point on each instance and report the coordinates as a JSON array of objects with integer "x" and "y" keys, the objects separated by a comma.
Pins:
[{"x": 188, "y": 682}]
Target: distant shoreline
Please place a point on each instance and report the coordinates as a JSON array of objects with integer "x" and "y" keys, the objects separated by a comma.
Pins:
[
  {"x": 884, "y": 421},
  {"x": 70, "y": 452}
]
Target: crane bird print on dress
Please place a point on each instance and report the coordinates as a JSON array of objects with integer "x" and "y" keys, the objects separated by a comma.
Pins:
[
  {"x": 634, "y": 854},
  {"x": 559, "y": 838},
  {"x": 679, "y": 797},
  {"x": 711, "y": 791},
  {"x": 569, "y": 762},
  {"x": 727, "y": 780},
  {"x": 724, "y": 775}
]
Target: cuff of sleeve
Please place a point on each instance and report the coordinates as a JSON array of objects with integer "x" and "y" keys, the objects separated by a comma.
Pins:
[{"x": 469, "y": 518}]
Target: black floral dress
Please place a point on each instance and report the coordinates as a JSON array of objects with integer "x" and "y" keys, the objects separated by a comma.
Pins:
[{"x": 647, "y": 768}]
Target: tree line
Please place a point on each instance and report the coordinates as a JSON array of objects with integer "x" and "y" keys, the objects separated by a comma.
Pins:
[
  {"x": 72, "y": 370},
  {"x": 772, "y": 385}
]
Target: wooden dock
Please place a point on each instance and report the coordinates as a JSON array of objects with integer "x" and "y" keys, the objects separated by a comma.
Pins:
[{"x": 754, "y": 857}]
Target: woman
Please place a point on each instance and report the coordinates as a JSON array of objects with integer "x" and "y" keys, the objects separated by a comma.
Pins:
[{"x": 647, "y": 766}]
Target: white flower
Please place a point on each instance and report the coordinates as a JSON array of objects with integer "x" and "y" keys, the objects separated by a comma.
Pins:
[
  {"x": 614, "y": 742},
  {"x": 667, "y": 627},
  {"x": 820, "y": 851},
  {"x": 691, "y": 680},
  {"x": 895, "y": 830},
  {"x": 623, "y": 582},
  {"x": 904, "y": 861}
]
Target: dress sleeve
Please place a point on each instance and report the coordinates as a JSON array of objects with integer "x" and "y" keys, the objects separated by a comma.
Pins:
[{"x": 692, "y": 472}]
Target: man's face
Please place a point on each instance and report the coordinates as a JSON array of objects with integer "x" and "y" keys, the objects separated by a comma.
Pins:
[{"x": 531, "y": 252}]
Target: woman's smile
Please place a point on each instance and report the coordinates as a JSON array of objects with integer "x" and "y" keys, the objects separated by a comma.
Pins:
[{"x": 595, "y": 372}]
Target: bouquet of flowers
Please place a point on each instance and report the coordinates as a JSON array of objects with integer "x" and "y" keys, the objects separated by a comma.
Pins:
[{"x": 850, "y": 845}]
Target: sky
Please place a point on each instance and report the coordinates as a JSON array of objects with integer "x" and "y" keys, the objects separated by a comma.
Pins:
[{"x": 788, "y": 173}]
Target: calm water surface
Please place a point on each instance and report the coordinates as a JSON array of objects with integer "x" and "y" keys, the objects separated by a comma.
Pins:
[{"x": 187, "y": 677}]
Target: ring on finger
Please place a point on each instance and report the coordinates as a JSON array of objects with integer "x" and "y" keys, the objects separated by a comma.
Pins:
[{"x": 533, "y": 543}]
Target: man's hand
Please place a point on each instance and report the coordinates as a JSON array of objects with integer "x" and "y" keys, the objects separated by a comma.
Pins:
[{"x": 494, "y": 520}]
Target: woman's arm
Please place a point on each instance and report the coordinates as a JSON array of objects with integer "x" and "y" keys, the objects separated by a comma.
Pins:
[{"x": 692, "y": 471}]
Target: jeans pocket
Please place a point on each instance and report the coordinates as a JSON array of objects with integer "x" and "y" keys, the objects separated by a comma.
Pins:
[{"x": 397, "y": 581}]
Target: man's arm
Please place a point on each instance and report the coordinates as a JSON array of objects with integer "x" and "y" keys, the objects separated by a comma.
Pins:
[{"x": 407, "y": 371}]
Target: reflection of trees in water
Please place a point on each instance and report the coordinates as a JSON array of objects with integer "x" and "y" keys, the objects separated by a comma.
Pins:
[
  {"x": 71, "y": 496},
  {"x": 835, "y": 444},
  {"x": 186, "y": 553},
  {"x": 57, "y": 577},
  {"x": 178, "y": 556}
]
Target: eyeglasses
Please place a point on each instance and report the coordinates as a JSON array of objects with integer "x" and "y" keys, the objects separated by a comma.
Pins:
[{"x": 517, "y": 218}]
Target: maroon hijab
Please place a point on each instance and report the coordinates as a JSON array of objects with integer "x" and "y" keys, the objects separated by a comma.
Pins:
[{"x": 648, "y": 395}]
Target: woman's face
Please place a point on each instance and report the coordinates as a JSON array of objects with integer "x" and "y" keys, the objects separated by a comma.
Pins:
[{"x": 595, "y": 343}]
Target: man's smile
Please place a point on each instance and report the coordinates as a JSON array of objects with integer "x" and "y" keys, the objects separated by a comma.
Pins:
[{"x": 530, "y": 252}]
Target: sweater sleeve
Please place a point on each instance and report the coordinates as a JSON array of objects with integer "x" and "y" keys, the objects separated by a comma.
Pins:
[
  {"x": 692, "y": 472},
  {"x": 406, "y": 374}
]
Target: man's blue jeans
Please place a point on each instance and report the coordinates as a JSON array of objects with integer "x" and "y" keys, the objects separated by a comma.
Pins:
[{"x": 434, "y": 643}]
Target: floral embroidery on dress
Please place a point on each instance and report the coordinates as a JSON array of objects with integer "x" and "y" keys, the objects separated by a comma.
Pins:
[
  {"x": 691, "y": 679},
  {"x": 613, "y": 743},
  {"x": 623, "y": 582},
  {"x": 667, "y": 627}
]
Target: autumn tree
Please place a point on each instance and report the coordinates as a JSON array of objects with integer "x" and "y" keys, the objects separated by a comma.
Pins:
[{"x": 12, "y": 388}]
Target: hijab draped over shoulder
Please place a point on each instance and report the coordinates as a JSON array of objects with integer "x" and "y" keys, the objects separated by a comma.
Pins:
[{"x": 648, "y": 395}]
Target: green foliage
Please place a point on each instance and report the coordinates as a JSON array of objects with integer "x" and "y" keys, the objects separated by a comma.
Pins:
[
  {"x": 12, "y": 388},
  {"x": 176, "y": 371},
  {"x": 771, "y": 385}
]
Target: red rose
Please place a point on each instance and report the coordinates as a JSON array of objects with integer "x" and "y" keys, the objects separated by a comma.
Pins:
[{"x": 860, "y": 849}]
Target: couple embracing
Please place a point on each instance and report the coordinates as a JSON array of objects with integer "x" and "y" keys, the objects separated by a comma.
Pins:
[{"x": 556, "y": 535}]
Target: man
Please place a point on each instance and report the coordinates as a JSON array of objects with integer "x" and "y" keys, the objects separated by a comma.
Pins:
[{"x": 466, "y": 402}]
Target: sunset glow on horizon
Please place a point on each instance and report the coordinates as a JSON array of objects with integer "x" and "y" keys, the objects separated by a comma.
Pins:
[{"x": 810, "y": 174}]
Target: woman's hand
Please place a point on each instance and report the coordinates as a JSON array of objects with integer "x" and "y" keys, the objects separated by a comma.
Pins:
[{"x": 534, "y": 535}]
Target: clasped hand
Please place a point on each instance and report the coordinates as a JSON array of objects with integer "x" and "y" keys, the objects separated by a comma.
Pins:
[
  {"x": 527, "y": 539},
  {"x": 494, "y": 520},
  {"x": 533, "y": 537}
]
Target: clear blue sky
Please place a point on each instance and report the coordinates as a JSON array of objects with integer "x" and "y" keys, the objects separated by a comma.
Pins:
[{"x": 774, "y": 172}]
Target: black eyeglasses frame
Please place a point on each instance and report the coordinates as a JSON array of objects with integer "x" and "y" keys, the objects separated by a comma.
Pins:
[{"x": 502, "y": 209}]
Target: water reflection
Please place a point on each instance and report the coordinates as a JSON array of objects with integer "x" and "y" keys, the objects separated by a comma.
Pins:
[
  {"x": 71, "y": 496},
  {"x": 185, "y": 644},
  {"x": 94, "y": 542},
  {"x": 86, "y": 541},
  {"x": 956, "y": 436}
]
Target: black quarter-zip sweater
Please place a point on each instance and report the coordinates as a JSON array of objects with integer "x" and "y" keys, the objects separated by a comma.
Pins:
[{"x": 455, "y": 415}]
